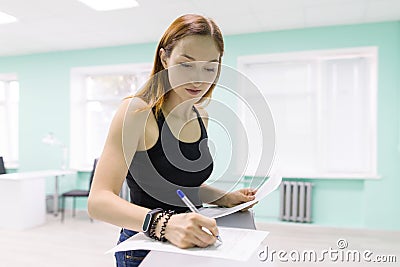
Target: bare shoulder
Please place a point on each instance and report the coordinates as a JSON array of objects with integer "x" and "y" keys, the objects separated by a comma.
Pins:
[
  {"x": 134, "y": 104},
  {"x": 134, "y": 108},
  {"x": 131, "y": 112}
]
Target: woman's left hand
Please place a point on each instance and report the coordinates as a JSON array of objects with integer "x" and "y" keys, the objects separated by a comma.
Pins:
[{"x": 238, "y": 197}]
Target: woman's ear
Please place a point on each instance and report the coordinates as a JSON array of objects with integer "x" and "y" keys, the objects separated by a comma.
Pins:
[{"x": 163, "y": 58}]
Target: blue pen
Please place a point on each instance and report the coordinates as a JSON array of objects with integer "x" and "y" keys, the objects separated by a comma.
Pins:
[{"x": 192, "y": 207}]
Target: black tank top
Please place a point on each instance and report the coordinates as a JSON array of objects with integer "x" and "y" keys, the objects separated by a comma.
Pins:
[{"x": 155, "y": 174}]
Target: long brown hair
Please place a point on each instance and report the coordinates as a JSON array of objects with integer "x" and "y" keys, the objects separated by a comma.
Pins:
[{"x": 154, "y": 91}]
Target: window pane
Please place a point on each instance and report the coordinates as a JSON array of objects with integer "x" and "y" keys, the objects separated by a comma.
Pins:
[
  {"x": 14, "y": 91},
  {"x": 2, "y": 91},
  {"x": 346, "y": 126},
  {"x": 3, "y": 133},
  {"x": 13, "y": 131},
  {"x": 294, "y": 117},
  {"x": 9, "y": 92},
  {"x": 281, "y": 78},
  {"x": 111, "y": 86},
  {"x": 99, "y": 116},
  {"x": 290, "y": 92},
  {"x": 324, "y": 107}
]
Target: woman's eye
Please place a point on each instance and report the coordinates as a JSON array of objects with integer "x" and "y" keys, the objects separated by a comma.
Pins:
[
  {"x": 185, "y": 65},
  {"x": 210, "y": 69}
]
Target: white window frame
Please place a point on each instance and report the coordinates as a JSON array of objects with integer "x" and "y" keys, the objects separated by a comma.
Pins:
[
  {"x": 11, "y": 156},
  {"x": 370, "y": 53},
  {"x": 78, "y": 159}
]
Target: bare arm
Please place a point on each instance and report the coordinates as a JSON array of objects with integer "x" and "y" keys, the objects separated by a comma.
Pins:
[
  {"x": 104, "y": 202},
  {"x": 212, "y": 195}
]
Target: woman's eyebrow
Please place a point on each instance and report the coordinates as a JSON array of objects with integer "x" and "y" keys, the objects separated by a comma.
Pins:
[{"x": 192, "y": 58}]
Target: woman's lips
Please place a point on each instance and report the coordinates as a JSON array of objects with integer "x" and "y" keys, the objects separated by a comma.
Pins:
[{"x": 193, "y": 91}]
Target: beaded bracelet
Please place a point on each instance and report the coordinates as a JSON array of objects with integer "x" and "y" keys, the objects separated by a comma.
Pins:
[
  {"x": 153, "y": 227},
  {"x": 168, "y": 215},
  {"x": 153, "y": 235}
]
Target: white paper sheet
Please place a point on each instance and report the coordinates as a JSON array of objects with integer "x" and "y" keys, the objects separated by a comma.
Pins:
[
  {"x": 269, "y": 186},
  {"x": 238, "y": 244}
]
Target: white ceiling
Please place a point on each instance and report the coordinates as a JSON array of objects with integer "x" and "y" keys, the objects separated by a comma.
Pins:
[{"x": 54, "y": 25}]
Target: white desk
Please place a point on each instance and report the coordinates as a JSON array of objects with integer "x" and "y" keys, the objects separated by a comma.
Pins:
[
  {"x": 157, "y": 258},
  {"x": 239, "y": 220},
  {"x": 23, "y": 198}
]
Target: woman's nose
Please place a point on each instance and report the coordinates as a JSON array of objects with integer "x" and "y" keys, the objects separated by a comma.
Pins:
[{"x": 196, "y": 83}]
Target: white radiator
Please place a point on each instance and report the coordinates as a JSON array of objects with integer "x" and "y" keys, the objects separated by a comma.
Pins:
[{"x": 295, "y": 202}]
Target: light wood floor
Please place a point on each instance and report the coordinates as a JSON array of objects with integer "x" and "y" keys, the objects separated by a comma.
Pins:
[
  {"x": 74, "y": 243},
  {"x": 78, "y": 242},
  {"x": 302, "y": 237}
]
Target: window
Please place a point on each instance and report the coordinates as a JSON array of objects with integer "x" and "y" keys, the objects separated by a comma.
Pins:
[
  {"x": 96, "y": 93},
  {"x": 9, "y": 98},
  {"x": 324, "y": 108}
]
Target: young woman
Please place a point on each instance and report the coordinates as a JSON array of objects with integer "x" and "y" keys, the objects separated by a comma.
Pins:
[{"x": 158, "y": 142}]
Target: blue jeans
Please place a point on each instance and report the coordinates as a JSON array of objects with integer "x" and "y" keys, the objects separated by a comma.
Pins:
[{"x": 131, "y": 258}]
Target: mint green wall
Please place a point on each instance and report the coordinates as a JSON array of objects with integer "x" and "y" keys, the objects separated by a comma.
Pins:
[{"x": 44, "y": 105}]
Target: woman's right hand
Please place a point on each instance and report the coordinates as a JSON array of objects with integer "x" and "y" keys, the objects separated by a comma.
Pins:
[{"x": 185, "y": 230}]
